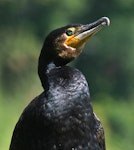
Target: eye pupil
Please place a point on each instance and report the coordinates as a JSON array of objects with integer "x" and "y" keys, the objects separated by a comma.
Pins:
[{"x": 69, "y": 32}]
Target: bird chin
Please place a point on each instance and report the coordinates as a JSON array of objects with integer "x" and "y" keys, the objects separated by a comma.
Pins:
[{"x": 69, "y": 47}]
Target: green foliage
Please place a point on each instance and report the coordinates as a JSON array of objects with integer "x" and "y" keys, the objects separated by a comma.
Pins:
[
  {"x": 118, "y": 121},
  {"x": 107, "y": 61}
]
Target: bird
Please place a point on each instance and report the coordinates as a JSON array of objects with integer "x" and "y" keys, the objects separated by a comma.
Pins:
[{"x": 61, "y": 117}]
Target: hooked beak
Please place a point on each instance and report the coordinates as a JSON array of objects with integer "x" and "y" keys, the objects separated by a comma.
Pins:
[
  {"x": 85, "y": 32},
  {"x": 90, "y": 29}
]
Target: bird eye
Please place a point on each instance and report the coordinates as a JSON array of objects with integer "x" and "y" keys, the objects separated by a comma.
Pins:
[{"x": 69, "y": 32}]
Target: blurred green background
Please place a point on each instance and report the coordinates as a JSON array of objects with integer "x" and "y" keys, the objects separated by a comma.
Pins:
[{"x": 107, "y": 61}]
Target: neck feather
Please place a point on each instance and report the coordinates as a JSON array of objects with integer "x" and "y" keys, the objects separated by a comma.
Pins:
[{"x": 46, "y": 63}]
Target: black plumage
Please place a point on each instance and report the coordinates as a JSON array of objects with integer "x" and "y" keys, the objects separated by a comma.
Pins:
[{"x": 61, "y": 118}]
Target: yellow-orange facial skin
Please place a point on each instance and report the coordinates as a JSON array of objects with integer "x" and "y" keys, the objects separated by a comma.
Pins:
[
  {"x": 73, "y": 46},
  {"x": 75, "y": 42}
]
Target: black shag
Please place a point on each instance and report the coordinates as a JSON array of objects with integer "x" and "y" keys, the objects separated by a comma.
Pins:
[{"x": 61, "y": 118}]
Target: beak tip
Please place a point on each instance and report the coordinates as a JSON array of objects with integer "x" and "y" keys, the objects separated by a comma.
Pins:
[{"x": 106, "y": 21}]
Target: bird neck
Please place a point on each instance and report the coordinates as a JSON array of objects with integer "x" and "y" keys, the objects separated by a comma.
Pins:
[{"x": 46, "y": 63}]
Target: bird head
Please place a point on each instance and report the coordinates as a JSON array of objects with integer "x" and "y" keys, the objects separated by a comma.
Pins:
[{"x": 66, "y": 43}]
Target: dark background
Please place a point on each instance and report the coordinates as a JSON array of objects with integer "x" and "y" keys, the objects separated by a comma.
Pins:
[{"x": 107, "y": 61}]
